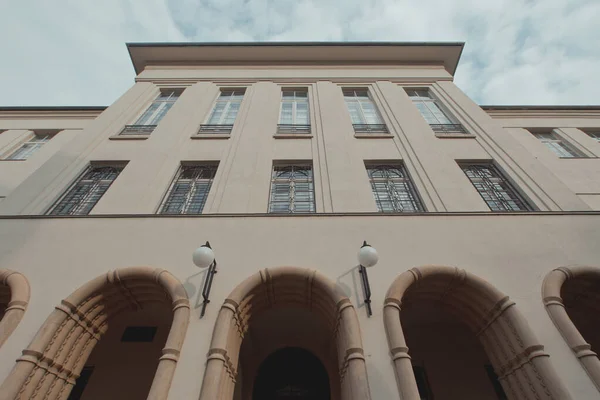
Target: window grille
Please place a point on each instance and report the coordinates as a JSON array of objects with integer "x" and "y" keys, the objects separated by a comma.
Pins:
[
  {"x": 28, "y": 148},
  {"x": 393, "y": 190},
  {"x": 189, "y": 190},
  {"x": 363, "y": 112},
  {"x": 87, "y": 191},
  {"x": 292, "y": 189},
  {"x": 146, "y": 123},
  {"x": 495, "y": 190},
  {"x": 557, "y": 145},
  {"x": 294, "y": 108},
  {"x": 226, "y": 107},
  {"x": 433, "y": 114}
]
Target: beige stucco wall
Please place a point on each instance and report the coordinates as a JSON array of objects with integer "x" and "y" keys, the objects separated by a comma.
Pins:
[{"x": 513, "y": 252}]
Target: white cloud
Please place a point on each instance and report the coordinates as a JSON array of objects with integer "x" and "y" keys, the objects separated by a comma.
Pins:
[{"x": 517, "y": 51}]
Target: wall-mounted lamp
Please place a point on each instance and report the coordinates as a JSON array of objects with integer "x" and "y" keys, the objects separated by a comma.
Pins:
[
  {"x": 367, "y": 257},
  {"x": 204, "y": 257}
]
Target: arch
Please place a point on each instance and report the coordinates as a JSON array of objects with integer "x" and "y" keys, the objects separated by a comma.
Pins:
[
  {"x": 52, "y": 362},
  {"x": 14, "y": 297},
  {"x": 553, "y": 301},
  {"x": 280, "y": 288},
  {"x": 518, "y": 358}
]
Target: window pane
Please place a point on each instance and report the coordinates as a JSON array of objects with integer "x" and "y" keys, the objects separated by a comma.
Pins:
[
  {"x": 85, "y": 193},
  {"x": 392, "y": 189},
  {"x": 159, "y": 108},
  {"x": 495, "y": 190},
  {"x": 292, "y": 189},
  {"x": 189, "y": 190}
]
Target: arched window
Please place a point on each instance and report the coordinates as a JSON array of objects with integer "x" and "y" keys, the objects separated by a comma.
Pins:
[
  {"x": 278, "y": 308},
  {"x": 572, "y": 298},
  {"x": 14, "y": 297},
  {"x": 467, "y": 340},
  {"x": 85, "y": 346}
]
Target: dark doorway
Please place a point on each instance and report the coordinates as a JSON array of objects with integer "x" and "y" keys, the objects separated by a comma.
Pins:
[{"x": 291, "y": 373}]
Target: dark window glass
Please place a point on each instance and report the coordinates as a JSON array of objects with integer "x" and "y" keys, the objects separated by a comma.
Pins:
[
  {"x": 85, "y": 193},
  {"x": 81, "y": 383},
  {"x": 292, "y": 189},
  {"x": 495, "y": 190},
  {"x": 189, "y": 190},
  {"x": 393, "y": 190},
  {"x": 139, "y": 334}
]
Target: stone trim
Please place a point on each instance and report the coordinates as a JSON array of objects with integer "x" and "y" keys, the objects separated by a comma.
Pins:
[
  {"x": 519, "y": 359},
  {"x": 551, "y": 293},
  {"x": 270, "y": 288},
  {"x": 18, "y": 286},
  {"x": 53, "y": 360}
]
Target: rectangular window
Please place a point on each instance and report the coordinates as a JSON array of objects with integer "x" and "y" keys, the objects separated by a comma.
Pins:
[
  {"x": 294, "y": 116},
  {"x": 437, "y": 119},
  {"x": 292, "y": 189},
  {"x": 495, "y": 190},
  {"x": 593, "y": 134},
  {"x": 81, "y": 383},
  {"x": 139, "y": 334},
  {"x": 83, "y": 195},
  {"x": 363, "y": 112},
  {"x": 422, "y": 383},
  {"x": 392, "y": 188},
  {"x": 495, "y": 382},
  {"x": 224, "y": 112},
  {"x": 557, "y": 145},
  {"x": 28, "y": 148},
  {"x": 146, "y": 123},
  {"x": 189, "y": 190}
]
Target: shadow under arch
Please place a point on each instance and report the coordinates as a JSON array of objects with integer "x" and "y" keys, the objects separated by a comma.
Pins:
[
  {"x": 14, "y": 297},
  {"x": 563, "y": 290},
  {"x": 52, "y": 362},
  {"x": 518, "y": 358},
  {"x": 279, "y": 290}
]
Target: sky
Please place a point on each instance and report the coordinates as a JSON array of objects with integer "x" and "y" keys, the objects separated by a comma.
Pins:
[{"x": 521, "y": 52}]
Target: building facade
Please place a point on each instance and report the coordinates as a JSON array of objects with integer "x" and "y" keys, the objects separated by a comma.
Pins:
[{"x": 286, "y": 158}]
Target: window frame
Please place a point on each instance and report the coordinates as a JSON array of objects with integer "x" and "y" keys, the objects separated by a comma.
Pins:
[
  {"x": 518, "y": 196},
  {"x": 229, "y": 102},
  {"x": 555, "y": 141},
  {"x": 37, "y": 140},
  {"x": 452, "y": 126},
  {"x": 120, "y": 165},
  {"x": 211, "y": 165},
  {"x": 404, "y": 181},
  {"x": 294, "y": 103},
  {"x": 291, "y": 191},
  {"x": 363, "y": 126}
]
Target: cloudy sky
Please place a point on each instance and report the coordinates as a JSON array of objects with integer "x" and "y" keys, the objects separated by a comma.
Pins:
[{"x": 72, "y": 52}]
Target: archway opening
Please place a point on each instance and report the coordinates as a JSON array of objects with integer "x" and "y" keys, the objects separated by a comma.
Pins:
[
  {"x": 291, "y": 373},
  {"x": 448, "y": 360},
  {"x": 4, "y": 299},
  {"x": 280, "y": 308},
  {"x": 453, "y": 335},
  {"x": 123, "y": 363},
  {"x": 118, "y": 336},
  {"x": 581, "y": 298}
]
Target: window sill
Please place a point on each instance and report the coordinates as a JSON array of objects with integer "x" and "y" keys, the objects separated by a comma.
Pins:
[
  {"x": 211, "y": 136},
  {"x": 292, "y": 136},
  {"x": 13, "y": 159},
  {"x": 373, "y": 135},
  {"x": 578, "y": 158},
  {"x": 455, "y": 136},
  {"x": 129, "y": 137}
]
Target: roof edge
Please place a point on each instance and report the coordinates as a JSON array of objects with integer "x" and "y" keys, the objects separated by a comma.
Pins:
[
  {"x": 52, "y": 108},
  {"x": 542, "y": 108}
]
